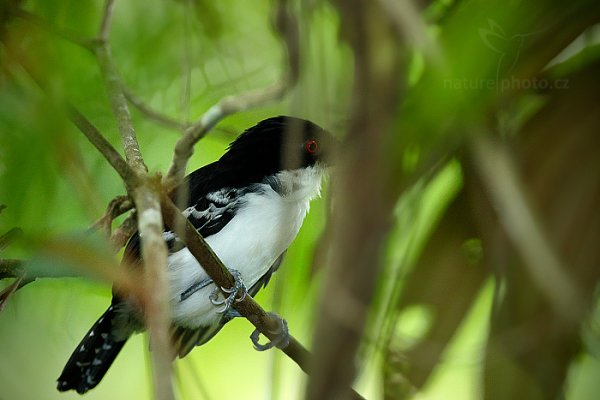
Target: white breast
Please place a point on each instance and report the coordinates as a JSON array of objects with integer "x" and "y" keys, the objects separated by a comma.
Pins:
[{"x": 258, "y": 234}]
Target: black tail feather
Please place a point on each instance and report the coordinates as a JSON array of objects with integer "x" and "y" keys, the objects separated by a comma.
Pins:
[{"x": 92, "y": 357}]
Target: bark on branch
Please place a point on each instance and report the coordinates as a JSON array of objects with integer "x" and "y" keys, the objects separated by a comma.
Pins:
[
  {"x": 10, "y": 268},
  {"x": 217, "y": 271},
  {"x": 129, "y": 176}
]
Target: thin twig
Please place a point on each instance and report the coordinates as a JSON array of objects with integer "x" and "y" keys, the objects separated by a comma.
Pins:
[
  {"x": 117, "y": 206},
  {"x": 184, "y": 148},
  {"x": 104, "y": 30},
  {"x": 153, "y": 114},
  {"x": 116, "y": 96},
  {"x": 120, "y": 109},
  {"x": 9, "y": 237},
  {"x": 121, "y": 235},
  {"x": 10, "y": 268},
  {"x": 9, "y": 291}
]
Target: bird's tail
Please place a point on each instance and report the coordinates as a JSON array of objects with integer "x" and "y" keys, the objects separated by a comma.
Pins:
[{"x": 92, "y": 358}]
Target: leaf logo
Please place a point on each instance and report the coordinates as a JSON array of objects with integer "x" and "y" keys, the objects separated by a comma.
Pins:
[{"x": 508, "y": 46}]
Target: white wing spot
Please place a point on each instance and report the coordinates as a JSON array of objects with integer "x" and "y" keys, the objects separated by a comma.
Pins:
[{"x": 81, "y": 364}]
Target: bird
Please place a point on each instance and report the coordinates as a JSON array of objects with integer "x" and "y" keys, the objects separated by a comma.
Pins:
[{"x": 249, "y": 206}]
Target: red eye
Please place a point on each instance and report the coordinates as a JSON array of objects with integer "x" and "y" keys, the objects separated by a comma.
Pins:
[{"x": 311, "y": 146}]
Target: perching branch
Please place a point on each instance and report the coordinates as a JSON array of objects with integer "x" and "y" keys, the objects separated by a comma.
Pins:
[{"x": 217, "y": 271}]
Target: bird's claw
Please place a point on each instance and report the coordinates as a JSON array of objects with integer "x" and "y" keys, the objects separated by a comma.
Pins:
[
  {"x": 282, "y": 335},
  {"x": 236, "y": 293}
]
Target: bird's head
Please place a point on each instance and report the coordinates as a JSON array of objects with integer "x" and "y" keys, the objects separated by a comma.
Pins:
[{"x": 280, "y": 143}]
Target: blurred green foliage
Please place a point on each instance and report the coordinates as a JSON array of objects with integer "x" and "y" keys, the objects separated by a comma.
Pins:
[{"x": 180, "y": 57}]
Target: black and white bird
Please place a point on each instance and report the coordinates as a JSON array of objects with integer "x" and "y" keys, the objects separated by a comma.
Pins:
[{"x": 249, "y": 206}]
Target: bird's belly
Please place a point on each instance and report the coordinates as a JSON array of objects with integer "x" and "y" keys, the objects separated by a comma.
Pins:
[{"x": 249, "y": 243}]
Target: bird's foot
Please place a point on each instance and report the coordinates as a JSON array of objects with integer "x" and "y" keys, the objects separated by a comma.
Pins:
[
  {"x": 236, "y": 293},
  {"x": 194, "y": 288},
  {"x": 282, "y": 335}
]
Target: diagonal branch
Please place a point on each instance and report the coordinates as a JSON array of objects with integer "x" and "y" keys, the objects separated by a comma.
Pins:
[
  {"x": 10, "y": 268},
  {"x": 9, "y": 237},
  {"x": 217, "y": 271},
  {"x": 111, "y": 155},
  {"x": 117, "y": 206},
  {"x": 121, "y": 235},
  {"x": 152, "y": 114},
  {"x": 120, "y": 109},
  {"x": 106, "y": 21}
]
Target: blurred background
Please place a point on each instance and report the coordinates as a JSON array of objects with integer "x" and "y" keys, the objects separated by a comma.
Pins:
[{"x": 484, "y": 284}]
